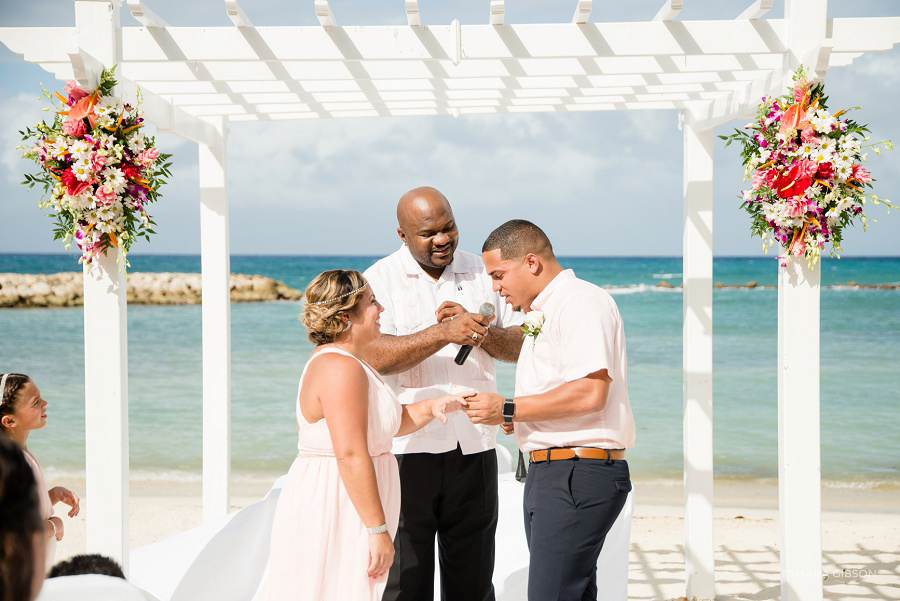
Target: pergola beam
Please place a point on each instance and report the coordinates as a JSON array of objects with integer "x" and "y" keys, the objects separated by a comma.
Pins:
[
  {"x": 498, "y": 9},
  {"x": 412, "y": 13},
  {"x": 236, "y": 14},
  {"x": 582, "y": 12},
  {"x": 324, "y": 14},
  {"x": 756, "y": 10},
  {"x": 144, "y": 15},
  {"x": 669, "y": 10}
]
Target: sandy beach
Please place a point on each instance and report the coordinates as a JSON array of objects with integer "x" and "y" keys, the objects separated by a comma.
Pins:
[{"x": 860, "y": 534}]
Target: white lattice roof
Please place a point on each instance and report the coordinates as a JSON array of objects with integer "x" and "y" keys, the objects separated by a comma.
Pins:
[{"x": 713, "y": 70}]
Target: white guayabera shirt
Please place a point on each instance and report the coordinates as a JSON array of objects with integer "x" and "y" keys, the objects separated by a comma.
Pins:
[
  {"x": 410, "y": 298},
  {"x": 582, "y": 333}
]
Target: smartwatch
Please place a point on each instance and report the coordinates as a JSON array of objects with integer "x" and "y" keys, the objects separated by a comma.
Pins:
[{"x": 509, "y": 410}]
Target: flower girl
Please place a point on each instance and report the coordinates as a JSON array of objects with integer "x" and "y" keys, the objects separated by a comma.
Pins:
[{"x": 22, "y": 410}]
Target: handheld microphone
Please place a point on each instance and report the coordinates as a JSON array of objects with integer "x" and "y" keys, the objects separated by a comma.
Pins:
[{"x": 487, "y": 310}]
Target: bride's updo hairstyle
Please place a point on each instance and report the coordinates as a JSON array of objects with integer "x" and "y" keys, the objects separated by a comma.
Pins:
[{"x": 330, "y": 295}]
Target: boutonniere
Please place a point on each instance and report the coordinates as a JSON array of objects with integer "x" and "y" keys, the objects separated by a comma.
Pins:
[{"x": 534, "y": 321}]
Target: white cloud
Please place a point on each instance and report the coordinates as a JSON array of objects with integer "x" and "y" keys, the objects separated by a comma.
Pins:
[
  {"x": 19, "y": 111},
  {"x": 883, "y": 67}
]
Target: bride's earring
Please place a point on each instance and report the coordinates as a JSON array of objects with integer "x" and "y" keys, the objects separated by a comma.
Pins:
[{"x": 347, "y": 327}]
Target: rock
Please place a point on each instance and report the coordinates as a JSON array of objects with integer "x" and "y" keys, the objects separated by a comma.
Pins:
[
  {"x": 42, "y": 288},
  {"x": 719, "y": 285},
  {"x": 751, "y": 284},
  {"x": 664, "y": 284}
]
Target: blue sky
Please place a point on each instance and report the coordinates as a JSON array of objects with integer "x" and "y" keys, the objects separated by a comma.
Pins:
[{"x": 604, "y": 184}]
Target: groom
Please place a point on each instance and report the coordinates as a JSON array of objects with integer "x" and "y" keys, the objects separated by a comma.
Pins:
[{"x": 570, "y": 412}]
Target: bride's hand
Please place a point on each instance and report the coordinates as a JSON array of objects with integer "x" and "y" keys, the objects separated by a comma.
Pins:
[
  {"x": 449, "y": 404},
  {"x": 381, "y": 554}
]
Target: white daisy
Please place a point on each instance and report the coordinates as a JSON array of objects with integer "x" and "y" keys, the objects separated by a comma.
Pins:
[
  {"x": 137, "y": 143},
  {"x": 82, "y": 170},
  {"x": 114, "y": 178}
]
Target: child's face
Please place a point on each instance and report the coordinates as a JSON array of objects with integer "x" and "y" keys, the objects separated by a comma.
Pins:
[{"x": 31, "y": 410}]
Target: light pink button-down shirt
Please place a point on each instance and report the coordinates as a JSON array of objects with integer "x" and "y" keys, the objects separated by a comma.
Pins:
[
  {"x": 582, "y": 334},
  {"x": 410, "y": 298}
]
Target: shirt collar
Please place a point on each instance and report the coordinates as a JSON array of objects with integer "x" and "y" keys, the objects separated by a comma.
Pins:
[
  {"x": 411, "y": 267},
  {"x": 541, "y": 299}
]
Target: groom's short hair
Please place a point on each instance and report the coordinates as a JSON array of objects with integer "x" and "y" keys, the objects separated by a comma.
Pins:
[{"x": 518, "y": 237}]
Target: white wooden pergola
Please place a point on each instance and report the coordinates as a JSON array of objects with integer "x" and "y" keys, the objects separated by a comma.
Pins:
[{"x": 195, "y": 80}]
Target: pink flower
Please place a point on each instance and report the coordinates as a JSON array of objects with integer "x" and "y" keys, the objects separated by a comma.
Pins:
[
  {"x": 807, "y": 168},
  {"x": 861, "y": 174},
  {"x": 795, "y": 207},
  {"x": 800, "y": 90},
  {"x": 98, "y": 161},
  {"x": 808, "y": 135},
  {"x": 74, "y": 128},
  {"x": 74, "y": 92},
  {"x": 147, "y": 157},
  {"x": 105, "y": 195},
  {"x": 799, "y": 247}
]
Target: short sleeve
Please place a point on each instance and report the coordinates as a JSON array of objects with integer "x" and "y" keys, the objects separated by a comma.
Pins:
[
  {"x": 381, "y": 288},
  {"x": 587, "y": 333}
]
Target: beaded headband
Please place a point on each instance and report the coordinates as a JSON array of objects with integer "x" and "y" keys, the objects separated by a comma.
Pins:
[{"x": 331, "y": 300}]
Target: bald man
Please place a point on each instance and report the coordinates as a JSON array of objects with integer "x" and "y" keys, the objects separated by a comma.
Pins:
[{"x": 448, "y": 472}]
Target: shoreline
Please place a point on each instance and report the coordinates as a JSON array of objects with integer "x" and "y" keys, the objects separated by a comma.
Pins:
[{"x": 729, "y": 493}]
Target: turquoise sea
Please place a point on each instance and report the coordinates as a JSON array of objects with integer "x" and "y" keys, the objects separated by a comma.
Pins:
[{"x": 860, "y": 345}]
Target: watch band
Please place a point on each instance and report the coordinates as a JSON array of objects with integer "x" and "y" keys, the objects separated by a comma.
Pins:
[{"x": 509, "y": 410}]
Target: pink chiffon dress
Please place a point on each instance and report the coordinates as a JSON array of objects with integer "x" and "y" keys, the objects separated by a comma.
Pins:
[{"x": 320, "y": 547}]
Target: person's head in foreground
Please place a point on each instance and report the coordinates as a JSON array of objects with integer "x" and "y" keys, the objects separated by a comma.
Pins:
[
  {"x": 427, "y": 227},
  {"x": 519, "y": 259},
  {"x": 341, "y": 308},
  {"x": 21, "y": 407},
  {"x": 21, "y": 528},
  {"x": 87, "y": 564}
]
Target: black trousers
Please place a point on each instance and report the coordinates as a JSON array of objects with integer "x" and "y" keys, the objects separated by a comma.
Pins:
[
  {"x": 453, "y": 496},
  {"x": 570, "y": 505}
]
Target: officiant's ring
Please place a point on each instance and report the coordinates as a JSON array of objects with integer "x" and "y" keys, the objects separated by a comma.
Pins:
[{"x": 475, "y": 336}]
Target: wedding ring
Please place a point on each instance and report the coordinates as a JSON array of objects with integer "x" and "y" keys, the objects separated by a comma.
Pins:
[{"x": 475, "y": 336}]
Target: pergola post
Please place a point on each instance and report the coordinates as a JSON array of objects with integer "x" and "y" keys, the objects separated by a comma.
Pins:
[
  {"x": 799, "y": 286},
  {"x": 216, "y": 314},
  {"x": 105, "y": 343},
  {"x": 697, "y": 355}
]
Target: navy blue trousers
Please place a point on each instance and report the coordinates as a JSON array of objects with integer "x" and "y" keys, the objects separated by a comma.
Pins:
[{"x": 570, "y": 505}]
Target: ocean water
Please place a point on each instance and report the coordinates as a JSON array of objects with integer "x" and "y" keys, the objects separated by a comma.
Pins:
[{"x": 860, "y": 345}]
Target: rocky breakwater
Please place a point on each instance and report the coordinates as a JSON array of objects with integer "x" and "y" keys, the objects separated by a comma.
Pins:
[{"x": 144, "y": 288}]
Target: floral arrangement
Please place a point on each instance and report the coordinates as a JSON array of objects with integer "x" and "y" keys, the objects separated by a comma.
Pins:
[
  {"x": 534, "y": 321},
  {"x": 805, "y": 165},
  {"x": 98, "y": 170}
]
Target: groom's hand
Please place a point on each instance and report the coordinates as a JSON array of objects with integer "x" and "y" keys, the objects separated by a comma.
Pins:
[{"x": 485, "y": 408}]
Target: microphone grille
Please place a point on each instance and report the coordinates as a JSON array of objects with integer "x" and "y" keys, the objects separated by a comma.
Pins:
[{"x": 486, "y": 309}]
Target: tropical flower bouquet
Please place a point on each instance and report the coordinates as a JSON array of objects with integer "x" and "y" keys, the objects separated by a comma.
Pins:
[
  {"x": 98, "y": 170},
  {"x": 805, "y": 165}
]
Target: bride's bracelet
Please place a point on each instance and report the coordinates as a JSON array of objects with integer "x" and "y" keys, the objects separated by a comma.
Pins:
[
  {"x": 55, "y": 531},
  {"x": 377, "y": 529}
]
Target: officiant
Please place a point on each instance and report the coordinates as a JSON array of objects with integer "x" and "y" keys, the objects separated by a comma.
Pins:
[{"x": 431, "y": 293}]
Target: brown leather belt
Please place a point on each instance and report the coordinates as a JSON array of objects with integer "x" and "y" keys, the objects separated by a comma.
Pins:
[{"x": 573, "y": 452}]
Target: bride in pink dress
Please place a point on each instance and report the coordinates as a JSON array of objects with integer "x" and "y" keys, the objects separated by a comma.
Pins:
[{"x": 338, "y": 511}]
